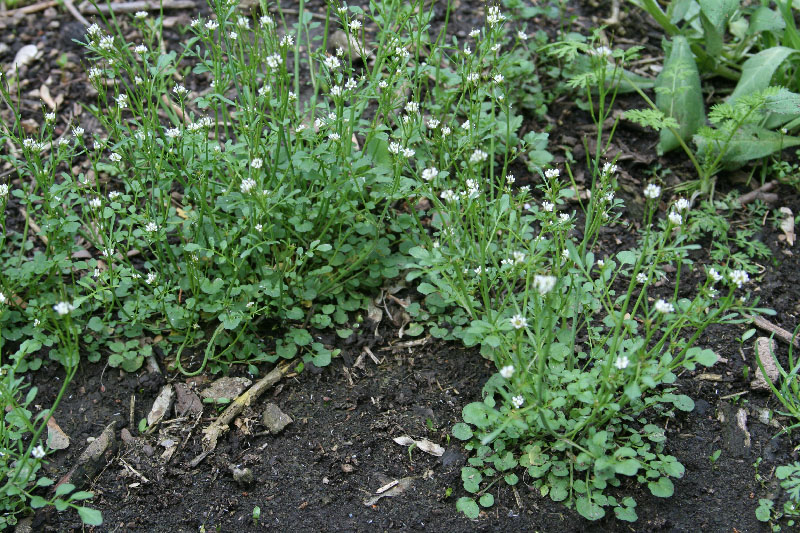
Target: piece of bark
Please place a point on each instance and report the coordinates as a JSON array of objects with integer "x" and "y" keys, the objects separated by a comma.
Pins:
[
  {"x": 764, "y": 350},
  {"x": 95, "y": 456}
]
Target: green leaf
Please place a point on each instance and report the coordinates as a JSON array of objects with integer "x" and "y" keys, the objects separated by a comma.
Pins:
[
  {"x": 95, "y": 324},
  {"x": 589, "y": 509},
  {"x": 426, "y": 288},
  {"x": 628, "y": 514},
  {"x": 663, "y": 488},
  {"x": 705, "y": 357},
  {"x": 461, "y": 431},
  {"x": 487, "y": 500},
  {"x": 81, "y": 495},
  {"x": 629, "y": 467},
  {"x": 718, "y": 11},
  {"x": 478, "y": 414},
  {"x": 468, "y": 507},
  {"x": 66, "y": 488},
  {"x": 683, "y": 402},
  {"x": 765, "y": 19},
  {"x": 764, "y": 510},
  {"x": 679, "y": 94},
  {"x": 91, "y": 517},
  {"x": 758, "y": 70},
  {"x": 37, "y": 502},
  {"x": 512, "y": 479}
]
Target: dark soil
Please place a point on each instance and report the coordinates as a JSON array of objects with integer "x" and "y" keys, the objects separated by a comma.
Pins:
[{"x": 318, "y": 472}]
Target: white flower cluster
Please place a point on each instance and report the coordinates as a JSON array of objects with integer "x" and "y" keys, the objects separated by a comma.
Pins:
[
  {"x": 63, "y": 308},
  {"x": 519, "y": 321},
  {"x": 396, "y": 149},
  {"x": 493, "y": 16},
  {"x": 652, "y": 191}
]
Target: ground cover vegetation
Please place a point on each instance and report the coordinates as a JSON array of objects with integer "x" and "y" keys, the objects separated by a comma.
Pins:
[{"x": 231, "y": 223}]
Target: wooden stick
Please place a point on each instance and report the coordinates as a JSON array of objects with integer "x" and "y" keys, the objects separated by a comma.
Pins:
[
  {"x": 138, "y": 5},
  {"x": 779, "y": 332},
  {"x": 753, "y": 195},
  {"x": 27, "y": 10},
  {"x": 217, "y": 428},
  {"x": 74, "y": 12}
]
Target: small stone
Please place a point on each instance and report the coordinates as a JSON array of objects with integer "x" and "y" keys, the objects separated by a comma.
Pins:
[
  {"x": 242, "y": 476},
  {"x": 187, "y": 402},
  {"x": 56, "y": 438},
  {"x": 25, "y": 56},
  {"x": 347, "y": 468},
  {"x": 126, "y": 436},
  {"x": 227, "y": 387},
  {"x": 148, "y": 450},
  {"x": 764, "y": 350},
  {"x": 274, "y": 419}
]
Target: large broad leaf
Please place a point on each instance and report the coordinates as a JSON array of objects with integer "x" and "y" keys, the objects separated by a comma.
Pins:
[
  {"x": 749, "y": 143},
  {"x": 758, "y": 70},
  {"x": 679, "y": 94},
  {"x": 718, "y": 11}
]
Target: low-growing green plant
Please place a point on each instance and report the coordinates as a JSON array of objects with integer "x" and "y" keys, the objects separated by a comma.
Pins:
[
  {"x": 23, "y": 449},
  {"x": 585, "y": 345}
]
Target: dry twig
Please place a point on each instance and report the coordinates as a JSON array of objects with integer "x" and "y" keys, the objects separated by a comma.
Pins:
[
  {"x": 778, "y": 331},
  {"x": 213, "y": 432}
]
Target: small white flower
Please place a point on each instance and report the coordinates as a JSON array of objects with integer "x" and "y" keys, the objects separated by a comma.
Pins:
[
  {"x": 739, "y": 277},
  {"x": 498, "y": 78},
  {"x": 355, "y": 25},
  {"x": 394, "y": 148},
  {"x": 107, "y": 42},
  {"x": 50, "y": 117},
  {"x": 122, "y": 101},
  {"x": 548, "y": 206},
  {"x": 266, "y": 21},
  {"x": 332, "y": 62},
  {"x": 445, "y": 131},
  {"x": 412, "y": 107},
  {"x": 94, "y": 72},
  {"x": 510, "y": 179},
  {"x": 465, "y": 125},
  {"x": 256, "y": 163},
  {"x": 600, "y": 263},
  {"x": 565, "y": 253},
  {"x": 336, "y": 90},
  {"x": 151, "y": 227},
  {"x": 36, "y": 322},
  {"x": 140, "y": 15},
  {"x": 408, "y": 152},
  {"x": 3, "y": 298},
  {"x": 622, "y": 362},
  {"x": 3, "y": 190},
  {"x": 137, "y": 80},
  {"x": 609, "y": 168},
  {"x": 247, "y": 185},
  {"x": 682, "y": 204},
  {"x": 77, "y": 131},
  {"x": 63, "y": 308},
  {"x": 429, "y": 173},
  {"x": 195, "y": 23},
  {"x": 522, "y": 36},
  {"x": 641, "y": 277},
  {"x": 496, "y": 47},
  {"x": 140, "y": 49},
  {"x": 151, "y": 278},
  {"x": 552, "y": 173},
  {"x": 115, "y": 157},
  {"x": 334, "y": 136},
  {"x": 93, "y": 30},
  {"x": 493, "y": 16},
  {"x": 291, "y": 97},
  {"x": 114, "y": 194},
  {"x": 212, "y": 25},
  {"x": 233, "y": 35},
  {"x": 351, "y": 84},
  {"x": 274, "y": 61},
  {"x": 38, "y": 452},
  {"x": 519, "y": 321},
  {"x": 507, "y": 371},
  {"x": 107, "y": 252},
  {"x": 564, "y": 217},
  {"x": 287, "y": 40},
  {"x": 544, "y": 284},
  {"x": 173, "y": 133},
  {"x": 433, "y": 123},
  {"x": 449, "y": 195},
  {"x": 675, "y": 218},
  {"x": 652, "y": 191},
  {"x": 180, "y": 90},
  {"x": 95, "y": 203},
  {"x": 714, "y": 275},
  {"x": 519, "y": 257},
  {"x": 243, "y": 22},
  {"x": 478, "y": 156},
  {"x": 467, "y": 50},
  {"x": 474, "y": 33},
  {"x": 664, "y": 307},
  {"x": 517, "y": 401}
]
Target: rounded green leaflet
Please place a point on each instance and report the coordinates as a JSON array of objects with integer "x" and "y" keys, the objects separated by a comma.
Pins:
[
  {"x": 461, "y": 431},
  {"x": 468, "y": 507},
  {"x": 663, "y": 488},
  {"x": 589, "y": 509},
  {"x": 487, "y": 500}
]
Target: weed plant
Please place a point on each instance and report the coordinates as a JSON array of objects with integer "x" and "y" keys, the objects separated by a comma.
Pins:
[{"x": 585, "y": 344}]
